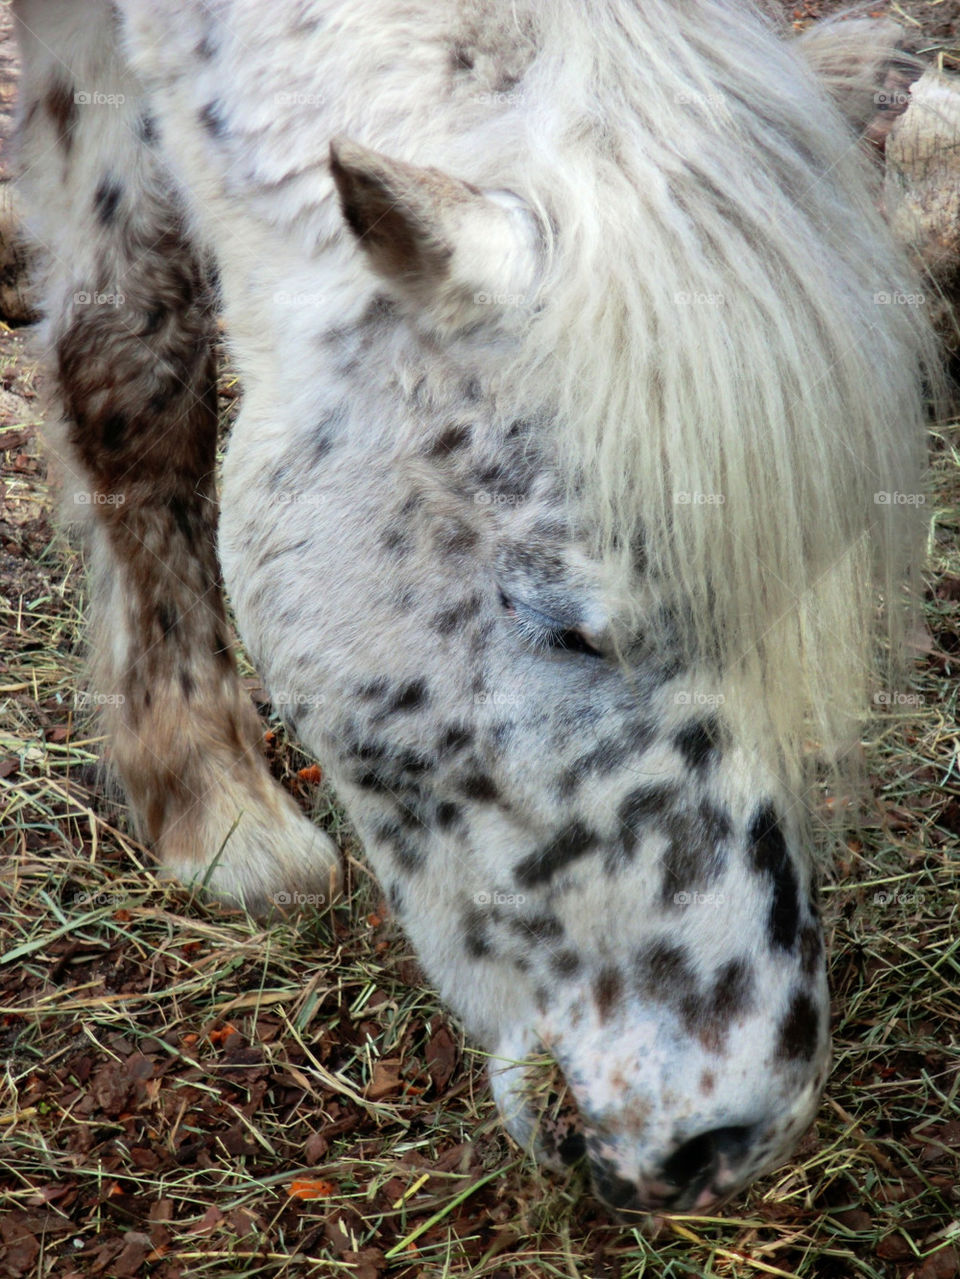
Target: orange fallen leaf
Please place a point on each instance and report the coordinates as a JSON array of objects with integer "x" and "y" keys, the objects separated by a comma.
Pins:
[
  {"x": 311, "y": 773},
  {"x": 269, "y": 735},
  {"x": 374, "y": 920},
  {"x": 218, "y": 1036},
  {"x": 122, "y": 916},
  {"x": 189, "y": 1039},
  {"x": 309, "y": 1188}
]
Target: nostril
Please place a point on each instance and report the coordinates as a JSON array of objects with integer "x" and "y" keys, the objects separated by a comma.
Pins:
[
  {"x": 572, "y": 1148},
  {"x": 618, "y": 1193},
  {"x": 701, "y": 1154}
]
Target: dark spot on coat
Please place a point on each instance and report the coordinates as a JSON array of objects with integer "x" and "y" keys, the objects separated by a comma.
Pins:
[
  {"x": 153, "y": 320},
  {"x": 61, "y": 104},
  {"x": 461, "y": 59},
  {"x": 212, "y": 119},
  {"x": 373, "y": 689},
  {"x": 446, "y": 814},
  {"x": 456, "y": 538},
  {"x": 187, "y": 686},
  {"x": 396, "y": 540},
  {"x": 372, "y": 781},
  {"x": 454, "y": 738},
  {"x": 573, "y": 842},
  {"x": 565, "y": 963},
  {"x": 697, "y": 742},
  {"x": 601, "y": 760},
  {"x": 799, "y": 1030},
  {"x": 607, "y": 991},
  {"x": 208, "y": 47},
  {"x": 409, "y": 697},
  {"x": 696, "y": 854},
  {"x": 811, "y": 948},
  {"x": 114, "y": 430},
  {"x": 320, "y": 446},
  {"x": 450, "y": 619},
  {"x": 408, "y": 857},
  {"x": 479, "y": 786},
  {"x": 475, "y": 933},
  {"x": 638, "y": 808},
  {"x": 181, "y": 517},
  {"x": 106, "y": 199},
  {"x": 451, "y": 438},
  {"x": 168, "y": 618},
  {"x": 732, "y": 991},
  {"x": 542, "y": 927},
  {"x": 664, "y": 972},
  {"x": 769, "y": 853},
  {"x": 147, "y": 129}
]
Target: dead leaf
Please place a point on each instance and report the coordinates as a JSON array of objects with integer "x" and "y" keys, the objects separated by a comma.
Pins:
[{"x": 386, "y": 1079}]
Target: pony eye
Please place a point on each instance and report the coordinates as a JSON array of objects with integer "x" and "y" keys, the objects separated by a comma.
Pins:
[
  {"x": 574, "y": 641},
  {"x": 544, "y": 632}
]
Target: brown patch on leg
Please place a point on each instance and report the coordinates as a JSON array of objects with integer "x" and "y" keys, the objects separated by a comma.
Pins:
[
  {"x": 132, "y": 329},
  {"x": 137, "y": 380}
]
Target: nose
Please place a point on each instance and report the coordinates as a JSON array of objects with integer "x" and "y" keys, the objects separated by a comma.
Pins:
[{"x": 698, "y": 1172}]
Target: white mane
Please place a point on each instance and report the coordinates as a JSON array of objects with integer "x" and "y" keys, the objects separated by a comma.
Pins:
[{"x": 738, "y": 345}]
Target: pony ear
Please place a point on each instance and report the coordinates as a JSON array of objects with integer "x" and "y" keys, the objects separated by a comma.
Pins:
[
  {"x": 865, "y": 69},
  {"x": 461, "y": 253}
]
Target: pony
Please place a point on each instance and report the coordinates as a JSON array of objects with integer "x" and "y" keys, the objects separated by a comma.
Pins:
[{"x": 582, "y": 391}]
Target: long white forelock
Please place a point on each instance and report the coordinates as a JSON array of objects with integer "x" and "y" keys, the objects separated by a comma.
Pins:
[{"x": 726, "y": 326}]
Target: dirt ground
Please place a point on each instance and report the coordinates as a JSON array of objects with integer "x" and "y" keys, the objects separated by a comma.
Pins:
[{"x": 185, "y": 1092}]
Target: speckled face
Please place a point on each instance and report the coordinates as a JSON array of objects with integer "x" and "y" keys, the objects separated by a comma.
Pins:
[{"x": 585, "y": 859}]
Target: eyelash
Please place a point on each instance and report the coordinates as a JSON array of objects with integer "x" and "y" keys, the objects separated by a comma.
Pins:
[{"x": 541, "y": 636}]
